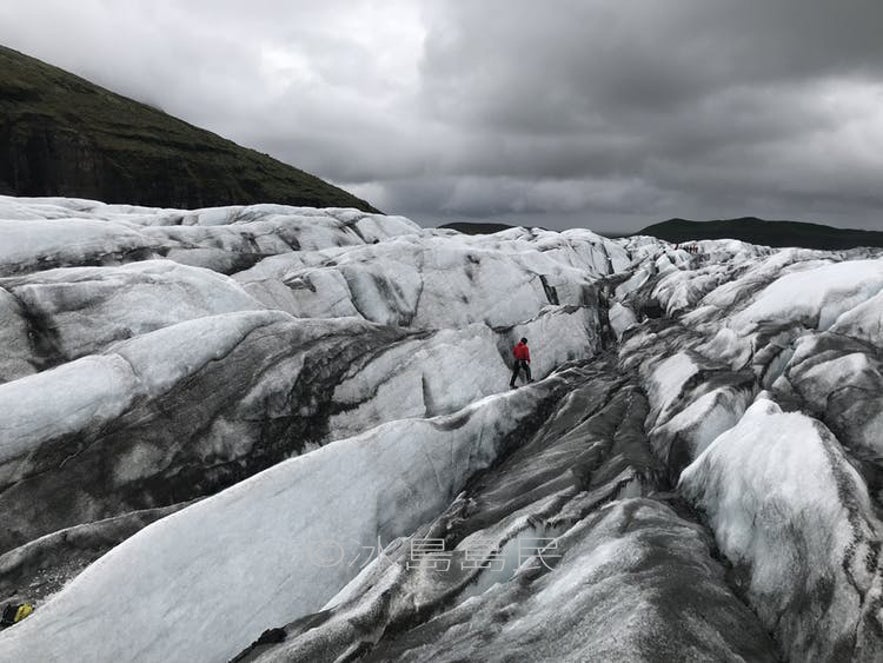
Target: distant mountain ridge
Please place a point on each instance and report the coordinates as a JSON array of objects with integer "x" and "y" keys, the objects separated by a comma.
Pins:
[
  {"x": 751, "y": 229},
  {"x": 767, "y": 233},
  {"x": 470, "y": 228},
  {"x": 61, "y": 135}
]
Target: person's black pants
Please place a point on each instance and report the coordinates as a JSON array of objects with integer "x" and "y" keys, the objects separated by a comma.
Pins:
[{"x": 519, "y": 364}]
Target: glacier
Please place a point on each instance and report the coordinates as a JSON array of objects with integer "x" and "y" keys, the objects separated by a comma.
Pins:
[{"x": 272, "y": 433}]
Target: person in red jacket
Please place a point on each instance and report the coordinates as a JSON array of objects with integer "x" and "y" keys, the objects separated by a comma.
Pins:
[{"x": 522, "y": 360}]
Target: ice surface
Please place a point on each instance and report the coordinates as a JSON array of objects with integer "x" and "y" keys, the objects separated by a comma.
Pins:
[
  {"x": 434, "y": 282},
  {"x": 87, "y": 392},
  {"x": 18, "y": 358},
  {"x": 264, "y": 543},
  {"x": 808, "y": 580},
  {"x": 92, "y": 306},
  {"x": 309, "y": 378},
  {"x": 25, "y": 244},
  {"x": 815, "y": 297},
  {"x": 621, "y": 319},
  {"x": 864, "y": 322},
  {"x": 667, "y": 379},
  {"x": 52, "y": 232},
  {"x": 611, "y": 587}
]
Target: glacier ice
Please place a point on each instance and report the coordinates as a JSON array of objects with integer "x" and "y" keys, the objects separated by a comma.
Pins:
[{"x": 232, "y": 421}]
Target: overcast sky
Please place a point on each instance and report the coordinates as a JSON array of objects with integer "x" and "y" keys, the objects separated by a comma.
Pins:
[{"x": 609, "y": 114}]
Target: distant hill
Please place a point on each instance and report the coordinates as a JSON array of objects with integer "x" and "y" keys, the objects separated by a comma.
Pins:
[
  {"x": 61, "y": 135},
  {"x": 768, "y": 233},
  {"x": 476, "y": 228}
]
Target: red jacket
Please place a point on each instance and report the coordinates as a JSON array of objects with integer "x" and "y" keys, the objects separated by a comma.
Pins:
[{"x": 521, "y": 352}]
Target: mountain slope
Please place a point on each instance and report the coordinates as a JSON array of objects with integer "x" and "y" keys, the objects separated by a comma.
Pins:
[
  {"x": 766, "y": 233},
  {"x": 61, "y": 135}
]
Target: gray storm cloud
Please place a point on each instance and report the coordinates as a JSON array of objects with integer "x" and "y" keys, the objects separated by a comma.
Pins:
[{"x": 600, "y": 113}]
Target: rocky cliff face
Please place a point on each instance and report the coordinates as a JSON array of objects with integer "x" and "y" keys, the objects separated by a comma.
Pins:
[{"x": 63, "y": 136}]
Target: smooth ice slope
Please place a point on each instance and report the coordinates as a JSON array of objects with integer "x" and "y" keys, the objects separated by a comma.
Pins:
[{"x": 262, "y": 543}]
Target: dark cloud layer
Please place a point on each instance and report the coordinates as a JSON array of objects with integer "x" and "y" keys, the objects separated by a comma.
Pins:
[{"x": 600, "y": 113}]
